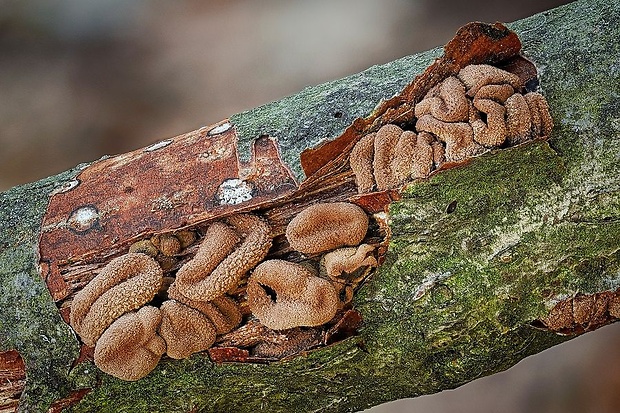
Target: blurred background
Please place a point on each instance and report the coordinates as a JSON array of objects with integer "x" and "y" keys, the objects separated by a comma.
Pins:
[{"x": 84, "y": 78}]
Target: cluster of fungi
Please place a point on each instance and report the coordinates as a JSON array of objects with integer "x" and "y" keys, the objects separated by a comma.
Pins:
[
  {"x": 238, "y": 281},
  {"x": 132, "y": 313},
  {"x": 479, "y": 109}
]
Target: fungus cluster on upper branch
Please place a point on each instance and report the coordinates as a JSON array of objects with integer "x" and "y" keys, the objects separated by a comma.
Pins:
[{"x": 481, "y": 108}]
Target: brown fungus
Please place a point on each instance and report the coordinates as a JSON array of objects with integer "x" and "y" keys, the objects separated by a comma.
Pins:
[
  {"x": 542, "y": 123},
  {"x": 446, "y": 102},
  {"x": 497, "y": 112},
  {"x": 518, "y": 119},
  {"x": 386, "y": 140},
  {"x": 492, "y": 131},
  {"x": 145, "y": 247},
  {"x": 227, "y": 253},
  {"x": 477, "y": 76},
  {"x": 168, "y": 244},
  {"x": 185, "y": 330},
  {"x": 284, "y": 295},
  {"x": 458, "y": 137},
  {"x": 124, "y": 284},
  {"x": 222, "y": 311},
  {"x": 186, "y": 238},
  {"x": 390, "y": 157},
  {"x": 131, "y": 348},
  {"x": 348, "y": 260},
  {"x": 326, "y": 226},
  {"x": 361, "y": 160}
]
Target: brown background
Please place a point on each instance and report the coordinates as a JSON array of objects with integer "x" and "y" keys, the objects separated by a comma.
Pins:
[{"x": 84, "y": 78}]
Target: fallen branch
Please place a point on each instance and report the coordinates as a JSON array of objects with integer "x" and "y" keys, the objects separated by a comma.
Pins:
[{"x": 483, "y": 259}]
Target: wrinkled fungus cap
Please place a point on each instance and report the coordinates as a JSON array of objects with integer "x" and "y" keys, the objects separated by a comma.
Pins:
[
  {"x": 283, "y": 295},
  {"x": 227, "y": 253},
  {"x": 326, "y": 226},
  {"x": 185, "y": 330},
  {"x": 124, "y": 284},
  {"x": 131, "y": 348}
]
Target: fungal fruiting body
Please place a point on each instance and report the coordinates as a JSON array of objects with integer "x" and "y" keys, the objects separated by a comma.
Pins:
[
  {"x": 185, "y": 330},
  {"x": 480, "y": 108},
  {"x": 131, "y": 347},
  {"x": 228, "y": 252},
  {"x": 325, "y": 226},
  {"x": 126, "y": 283},
  {"x": 284, "y": 295}
]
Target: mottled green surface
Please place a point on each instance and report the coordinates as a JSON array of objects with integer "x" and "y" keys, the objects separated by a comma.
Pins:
[
  {"x": 532, "y": 225},
  {"x": 29, "y": 320}
]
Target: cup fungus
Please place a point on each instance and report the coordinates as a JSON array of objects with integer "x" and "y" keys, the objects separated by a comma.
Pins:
[
  {"x": 478, "y": 109},
  {"x": 390, "y": 157},
  {"x": 130, "y": 348},
  {"x": 326, "y": 226},
  {"x": 284, "y": 295},
  {"x": 227, "y": 253},
  {"x": 168, "y": 244},
  {"x": 221, "y": 311},
  {"x": 126, "y": 283},
  {"x": 348, "y": 260},
  {"x": 185, "y": 330}
]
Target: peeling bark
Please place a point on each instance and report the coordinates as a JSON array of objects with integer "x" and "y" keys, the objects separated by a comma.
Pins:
[{"x": 477, "y": 254}]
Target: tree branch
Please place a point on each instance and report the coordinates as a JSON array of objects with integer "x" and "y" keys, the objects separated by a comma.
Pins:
[{"x": 477, "y": 253}]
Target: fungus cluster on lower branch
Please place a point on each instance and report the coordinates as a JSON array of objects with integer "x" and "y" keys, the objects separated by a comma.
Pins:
[
  {"x": 135, "y": 311},
  {"x": 481, "y": 108}
]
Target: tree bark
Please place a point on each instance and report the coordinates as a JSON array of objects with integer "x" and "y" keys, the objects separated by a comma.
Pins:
[{"x": 477, "y": 254}]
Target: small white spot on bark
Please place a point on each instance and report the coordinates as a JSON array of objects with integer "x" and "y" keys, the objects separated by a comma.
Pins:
[
  {"x": 234, "y": 191},
  {"x": 83, "y": 218},
  {"x": 219, "y": 129},
  {"x": 158, "y": 145}
]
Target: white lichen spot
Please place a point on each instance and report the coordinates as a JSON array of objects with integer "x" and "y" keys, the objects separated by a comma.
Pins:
[
  {"x": 83, "y": 219},
  {"x": 158, "y": 145},
  {"x": 219, "y": 129},
  {"x": 234, "y": 191},
  {"x": 66, "y": 187}
]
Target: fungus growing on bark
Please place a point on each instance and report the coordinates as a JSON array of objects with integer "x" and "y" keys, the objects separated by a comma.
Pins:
[
  {"x": 477, "y": 76},
  {"x": 168, "y": 244},
  {"x": 185, "y": 330},
  {"x": 497, "y": 112},
  {"x": 390, "y": 157},
  {"x": 186, "y": 238},
  {"x": 542, "y": 123},
  {"x": 386, "y": 140},
  {"x": 221, "y": 311},
  {"x": 446, "y": 102},
  {"x": 145, "y": 247},
  {"x": 492, "y": 132},
  {"x": 124, "y": 284},
  {"x": 360, "y": 160},
  {"x": 284, "y": 295},
  {"x": 131, "y": 348},
  {"x": 348, "y": 260},
  {"x": 326, "y": 226},
  {"x": 228, "y": 252},
  {"x": 458, "y": 137}
]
